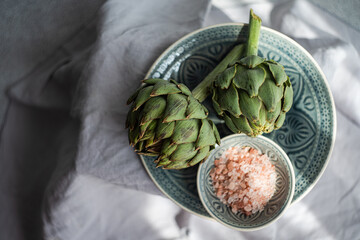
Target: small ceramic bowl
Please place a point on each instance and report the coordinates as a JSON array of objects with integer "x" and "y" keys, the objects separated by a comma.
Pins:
[{"x": 281, "y": 200}]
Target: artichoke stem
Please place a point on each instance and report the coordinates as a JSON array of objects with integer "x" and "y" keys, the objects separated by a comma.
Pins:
[
  {"x": 202, "y": 90},
  {"x": 254, "y": 33}
]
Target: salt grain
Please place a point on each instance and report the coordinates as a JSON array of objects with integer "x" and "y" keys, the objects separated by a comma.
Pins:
[{"x": 244, "y": 179}]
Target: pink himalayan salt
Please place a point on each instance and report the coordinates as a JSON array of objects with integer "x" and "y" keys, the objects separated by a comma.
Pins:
[{"x": 244, "y": 179}]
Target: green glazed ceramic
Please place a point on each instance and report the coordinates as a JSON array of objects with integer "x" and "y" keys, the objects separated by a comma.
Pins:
[
  {"x": 285, "y": 184},
  {"x": 308, "y": 133}
]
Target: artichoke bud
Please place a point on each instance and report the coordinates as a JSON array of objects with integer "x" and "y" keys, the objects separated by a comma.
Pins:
[
  {"x": 165, "y": 120},
  {"x": 252, "y": 95}
]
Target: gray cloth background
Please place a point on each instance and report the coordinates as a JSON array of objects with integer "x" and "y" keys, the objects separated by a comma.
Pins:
[
  {"x": 66, "y": 117},
  {"x": 65, "y": 164}
]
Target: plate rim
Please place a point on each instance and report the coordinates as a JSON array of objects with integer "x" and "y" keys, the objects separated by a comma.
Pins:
[{"x": 334, "y": 129}]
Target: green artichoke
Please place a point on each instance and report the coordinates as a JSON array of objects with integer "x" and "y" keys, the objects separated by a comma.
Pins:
[
  {"x": 165, "y": 120},
  {"x": 252, "y": 94}
]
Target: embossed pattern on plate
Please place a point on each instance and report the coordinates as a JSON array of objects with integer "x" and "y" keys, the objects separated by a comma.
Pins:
[{"x": 308, "y": 133}]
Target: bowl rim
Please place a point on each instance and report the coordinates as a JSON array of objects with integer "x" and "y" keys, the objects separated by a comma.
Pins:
[{"x": 286, "y": 159}]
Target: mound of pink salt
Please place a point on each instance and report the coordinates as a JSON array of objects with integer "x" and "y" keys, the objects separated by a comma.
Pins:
[{"x": 244, "y": 179}]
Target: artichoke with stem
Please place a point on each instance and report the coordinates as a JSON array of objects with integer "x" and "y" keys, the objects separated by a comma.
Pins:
[{"x": 252, "y": 94}]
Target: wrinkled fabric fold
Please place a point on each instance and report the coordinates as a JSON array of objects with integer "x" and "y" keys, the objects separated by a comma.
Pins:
[
  {"x": 82, "y": 86},
  {"x": 64, "y": 147}
]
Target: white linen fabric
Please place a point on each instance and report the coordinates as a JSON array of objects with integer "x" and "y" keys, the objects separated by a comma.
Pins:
[{"x": 67, "y": 172}]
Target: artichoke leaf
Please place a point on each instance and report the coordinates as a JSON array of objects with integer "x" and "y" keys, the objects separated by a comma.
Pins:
[
  {"x": 228, "y": 100},
  {"x": 163, "y": 162},
  {"x": 206, "y": 135},
  {"x": 148, "y": 154},
  {"x": 184, "y": 89},
  {"x": 173, "y": 81},
  {"x": 229, "y": 123},
  {"x": 177, "y": 165},
  {"x": 163, "y": 88},
  {"x": 150, "y": 131},
  {"x": 195, "y": 109},
  {"x": 288, "y": 96},
  {"x": 250, "y": 107},
  {"x": 144, "y": 127},
  {"x": 278, "y": 73},
  {"x": 242, "y": 125},
  {"x": 164, "y": 130},
  {"x": 167, "y": 149},
  {"x": 183, "y": 152},
  {"x": 251, "y": 61},
  {"x": 201, "y": 155},
  {"x": 280, "y": 120},
  {"x": 270, "y": 94},
  {"x": 223, "y": 80},
  {"x": 216, "y": 105},
  {"x": 154, "y": 147},
  {"x": 185, "y": 131},
  {"x": 262, "y": 116},
  {"x": 142, "y": 97},
  {"x": 153, "y": 109},
  {"x": 250, "y": 80},
  {"x": 216, "y": 132},
  {"x": 205, "y": 110},
  {"x": 269, "y": 127},
  {"x": 176, "y": 107},
  {"x": 131, "y": 120},
  {"x": 134, "y": 136},
  {"x": 272, "y": 116},
  {"x": 139, "y": 146},
  {"x": 150, "y": 142}
]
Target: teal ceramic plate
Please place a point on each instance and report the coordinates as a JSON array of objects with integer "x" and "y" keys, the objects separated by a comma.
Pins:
[
  {"x": 285, "y": 184},
  {"x": 308, "y": 133}
]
